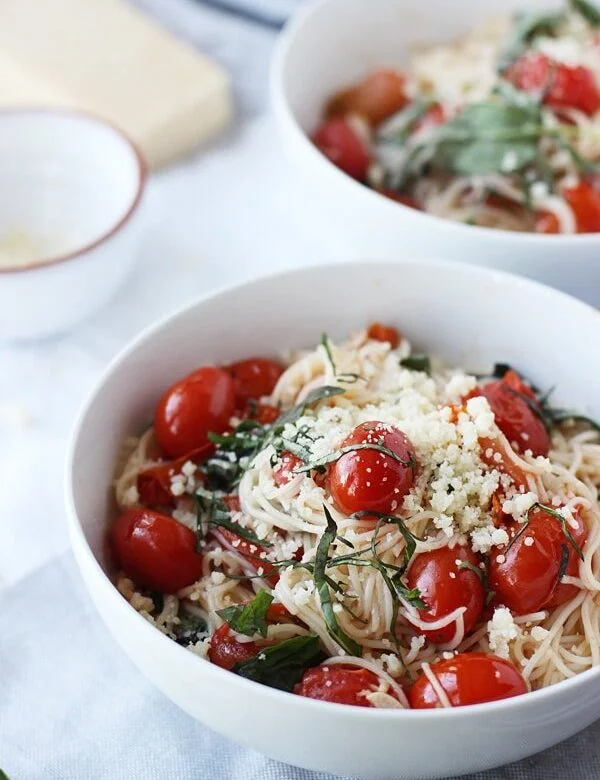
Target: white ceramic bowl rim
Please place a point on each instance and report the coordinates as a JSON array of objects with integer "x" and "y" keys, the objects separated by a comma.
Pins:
[
  {"x": 142, "y": 176},
  {"x": 348, "y": 711},
  {"x": 284, "y": 43}
]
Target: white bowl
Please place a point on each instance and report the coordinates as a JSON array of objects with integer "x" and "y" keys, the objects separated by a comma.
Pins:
[
  {"x": 71, "y": 187},
  {"x": 473, "y": 317},
  {"x": 332, "y": 43}
]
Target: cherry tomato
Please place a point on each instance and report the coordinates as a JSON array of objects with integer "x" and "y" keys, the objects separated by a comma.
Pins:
[
  {"x": 546, "y": 222},
  {"x": 226, "y": 651},
  {"x": 284, "y": 468},
  {"x": 341, "y": 144},
  {"x": 369, "y": 479},
  {"x": 254, "y": 378},
  {"x": 584, "y": 200},
  {"x": 195, "y": 405},
  {"x": 380, "y": 332},
  {"x": 154, "y": 483},
  {"x": 375, "y": 98},
  {"x": 406, "y": 200},
  {"x": 468, "y": 678},
  {"x": 522, "y": 426},
  {"x": 155, "y": 550},
  {"x": 563, "y": 86},
  {"x": 444, "y": 587},
  {"x": 277, "y": 613},
  {"x": 265, "y": 414},
  {"x": 339, "y": 684},
  {"x": 524, "y": 574}
]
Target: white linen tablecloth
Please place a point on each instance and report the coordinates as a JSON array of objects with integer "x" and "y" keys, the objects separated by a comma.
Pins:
[{"x": 72, "y": 707}]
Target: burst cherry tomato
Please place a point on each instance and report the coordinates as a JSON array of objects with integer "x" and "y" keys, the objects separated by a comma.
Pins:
[
  {"x": 496, "y": 458},
  {"x": 375, "y": 98},
  {"x": 341, "y": 144},
  {"x": 154, "y": 483},
  {"x": 513, "y": 404},
  {"x": 226, "y": 651},
  {"x": 254, "y": 378},
  {"x": 563, "y": 86},
  {"x": 339, "y": 684},
  {"x": 195, "y": 405},
  {"x": 445, "y": 586},
  {"x": 381, "y": 332},
  {"x": 584, "y": 200},
  {"x": 284, "y": 468},
  {"x": 155, "y": 550},
  {"x": 468, "y": 678},
  {"x": 368, "y": 479},
  {"x": 524, "y": 576}
]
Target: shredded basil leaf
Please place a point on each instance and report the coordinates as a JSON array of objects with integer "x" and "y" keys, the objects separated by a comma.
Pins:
[
  {"x": 589, "y": 11},
  {"x": 333, "y": 456},
  {"x": 564, "y": 562},
  {"x": 417, "y": 363},
  {"x": 470, "y": 567},
  {"x": 282, "y": 666},
  {"x": 398, "y": 127},
  {"x": 249, "y": 619},
  {"x": 327, "y": 347},
  {"x": 322, "y": 586},
  {"x": 190, "y": 629},
  {"x": 211, "y": 505}
]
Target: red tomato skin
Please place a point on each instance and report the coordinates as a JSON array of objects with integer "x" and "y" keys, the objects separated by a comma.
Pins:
[
  {"x": 563, "y": 592},
  {"x": 433, "y": 117},
  {"x": 504, "y": 464},
  {"x": 406, "y": 200},
  {"x": 265, "y": 414},
  {"x": 526, "y": 577},
  {"x": 154, "y": 483},
  {"x": 522, "y": 427},
  {"x": 546, "y": 222},
  {"x": 199, "y": 403},
  {"x": 226, "y": 651},
  {"x": 382, "y": 489},
  {"x": 338, "y": 684},
  {"x": 380, "y": 332},
  {"x": 284, "y": 468},
  {"x": 375, "y": 98},
  {"x": 430, "y": 573},
  {"x": 468, "y": 678},
  {"x": 254, "y": 378},
  {"x": 584, "y": 199},
  {"x": 155, "y": 550},
  {"x": 564, "y": 86},
  {"x": 336, "y": 139}
]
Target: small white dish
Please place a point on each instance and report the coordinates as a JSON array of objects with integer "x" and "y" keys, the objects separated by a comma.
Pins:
[
  {"x": 330, "y": 44},
  {"x": 71, "y": 188},
  {"x": 472, "y": 317}
]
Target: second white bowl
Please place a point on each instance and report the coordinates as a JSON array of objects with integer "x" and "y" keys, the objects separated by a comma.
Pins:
[{"x": 331, "y": 43}]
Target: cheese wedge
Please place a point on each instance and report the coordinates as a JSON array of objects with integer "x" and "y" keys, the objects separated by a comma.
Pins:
[{"x": 108, "y": 58}]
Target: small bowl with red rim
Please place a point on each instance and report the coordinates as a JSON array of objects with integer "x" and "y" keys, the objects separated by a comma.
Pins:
[{"x": 70, "y": 218}]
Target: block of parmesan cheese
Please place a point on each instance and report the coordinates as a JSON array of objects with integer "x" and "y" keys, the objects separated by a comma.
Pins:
[{"x": 106, "y": 57}]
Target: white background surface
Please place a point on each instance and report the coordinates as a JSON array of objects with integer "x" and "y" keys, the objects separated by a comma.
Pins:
[{"x": 229, "y": 213}]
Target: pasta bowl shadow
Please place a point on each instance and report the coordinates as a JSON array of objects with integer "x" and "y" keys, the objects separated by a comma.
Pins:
[
  {"x": 470, "y": 316},
  {"x": 331, "y": 44}
]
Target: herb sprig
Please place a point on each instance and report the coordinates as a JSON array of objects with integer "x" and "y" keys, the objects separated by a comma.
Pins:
[
  {"x": 282, "y": 665},
  {"x": 250, "y": 618},
  {"x": 589, "y": 11}
]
